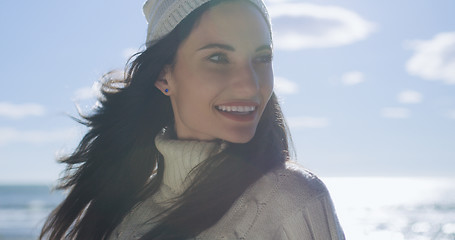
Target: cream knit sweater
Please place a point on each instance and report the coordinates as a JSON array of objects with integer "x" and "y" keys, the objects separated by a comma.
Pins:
[{"x": 287, "y": 203}]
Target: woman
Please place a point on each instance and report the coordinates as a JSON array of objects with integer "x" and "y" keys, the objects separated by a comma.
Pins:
[{"x": 192, "y": 143}]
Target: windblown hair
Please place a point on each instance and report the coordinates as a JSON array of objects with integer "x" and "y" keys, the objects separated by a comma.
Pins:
[{"x": 117, "y": 165}]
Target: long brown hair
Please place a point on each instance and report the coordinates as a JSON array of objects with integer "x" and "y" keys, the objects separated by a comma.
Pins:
[{"x": 110, "y": 170}]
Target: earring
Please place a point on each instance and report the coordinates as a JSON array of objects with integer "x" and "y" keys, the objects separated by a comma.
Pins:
[{"x": 166, "y": 90}]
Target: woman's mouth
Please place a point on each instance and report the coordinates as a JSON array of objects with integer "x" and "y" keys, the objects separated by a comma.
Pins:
[
  {"x": 241, "y": 113},
  {"x": 242, "y": 110}
]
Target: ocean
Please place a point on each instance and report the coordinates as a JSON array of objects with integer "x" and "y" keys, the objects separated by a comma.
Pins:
[
  {"x": 368, "y": 208},
  {"x": 23, "y": 209},
  {"x": 395, "y": 208}
]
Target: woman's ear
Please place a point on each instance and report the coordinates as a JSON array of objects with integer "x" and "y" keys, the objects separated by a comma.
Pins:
[{"x": 162, "y": 82}]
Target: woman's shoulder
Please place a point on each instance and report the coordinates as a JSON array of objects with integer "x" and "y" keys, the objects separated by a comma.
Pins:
[
  {"x": 297, "y": 201},
  {"x": 292, "y": 179},
  {"x": 284, "y": 199},
  {"x": 291, "y": 184},
  {"x": 296, "y": 180}
]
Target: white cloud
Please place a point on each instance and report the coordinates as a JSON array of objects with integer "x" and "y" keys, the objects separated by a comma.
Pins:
[
  {"x": 352, "y": 78},
  {"x": 305, "y": 25},
  {"x": 434, "y": 59},
  {"x": 84, "y": 93},
  {"x": 128, "y": 52},
  {"x": 18, "y": 111},
  {"x": 274, "y": 1},
  {"x": 284, "y": 86},
  {"x": 451, "y": 114},
  {"x": 11, "y": 135},
  {"x": 410, "y": 96},
  {"x": 308, "y": 122},
  {"x": 88, "y": 92},
  {"x": 395, "y": 112}
]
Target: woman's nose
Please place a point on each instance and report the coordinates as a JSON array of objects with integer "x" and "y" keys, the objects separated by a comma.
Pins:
[{"x": 246, "y": 81}]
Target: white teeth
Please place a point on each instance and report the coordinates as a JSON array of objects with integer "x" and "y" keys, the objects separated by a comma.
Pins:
[{"x": 241, "y": 109}]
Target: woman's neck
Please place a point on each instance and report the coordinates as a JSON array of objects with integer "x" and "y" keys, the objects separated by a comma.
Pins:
[{"x": 182, "y": 156}]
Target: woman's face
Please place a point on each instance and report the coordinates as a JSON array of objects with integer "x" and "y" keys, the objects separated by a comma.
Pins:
[{"x": 222, "y": 78}]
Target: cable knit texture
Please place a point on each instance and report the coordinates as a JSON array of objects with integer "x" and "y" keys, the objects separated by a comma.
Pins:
[
  {"x": 164, "y": 15},
  {"x": 286, "y": 203},
  {"x": 180, "y": 157}
]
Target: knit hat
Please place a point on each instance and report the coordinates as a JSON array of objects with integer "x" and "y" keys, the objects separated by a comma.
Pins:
[{"x": 164, "y": 15}]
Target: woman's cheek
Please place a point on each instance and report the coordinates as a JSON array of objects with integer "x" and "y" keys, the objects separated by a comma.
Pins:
[
  {"x": 267, "y": 82},
  {"x": 218, "y": 71},
  {"x": 219, "y": 76}
]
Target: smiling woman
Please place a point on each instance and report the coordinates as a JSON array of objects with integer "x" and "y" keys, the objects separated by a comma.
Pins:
[
  {"x": 222, "y": 76},
  {"x": 192, "y": 143}
]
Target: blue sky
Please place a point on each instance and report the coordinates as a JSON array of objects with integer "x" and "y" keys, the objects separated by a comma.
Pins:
[{"x": 368, "y": 87}]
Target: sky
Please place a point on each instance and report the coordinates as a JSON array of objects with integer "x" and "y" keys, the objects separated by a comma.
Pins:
[{"x": 367, "y": 87}]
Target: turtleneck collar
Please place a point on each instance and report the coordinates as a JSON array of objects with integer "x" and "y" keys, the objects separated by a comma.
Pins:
[{"x": 181, "y": 156}]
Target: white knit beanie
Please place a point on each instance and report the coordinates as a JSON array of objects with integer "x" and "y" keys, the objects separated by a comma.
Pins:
[{"x": 164, "y": 15}]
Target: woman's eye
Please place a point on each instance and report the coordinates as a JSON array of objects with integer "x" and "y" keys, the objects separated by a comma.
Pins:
[
  {"x": 219, "y": 58},
  {"x": 264, "y": 59}
]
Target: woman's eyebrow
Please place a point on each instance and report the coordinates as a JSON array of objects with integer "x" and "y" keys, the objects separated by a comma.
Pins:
[
  {"x": 230, "y": 48},
  {"x": 218, "y": 45}
]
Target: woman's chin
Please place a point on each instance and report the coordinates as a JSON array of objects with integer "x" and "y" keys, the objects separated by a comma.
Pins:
[{"x": 243, "y": 137}]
